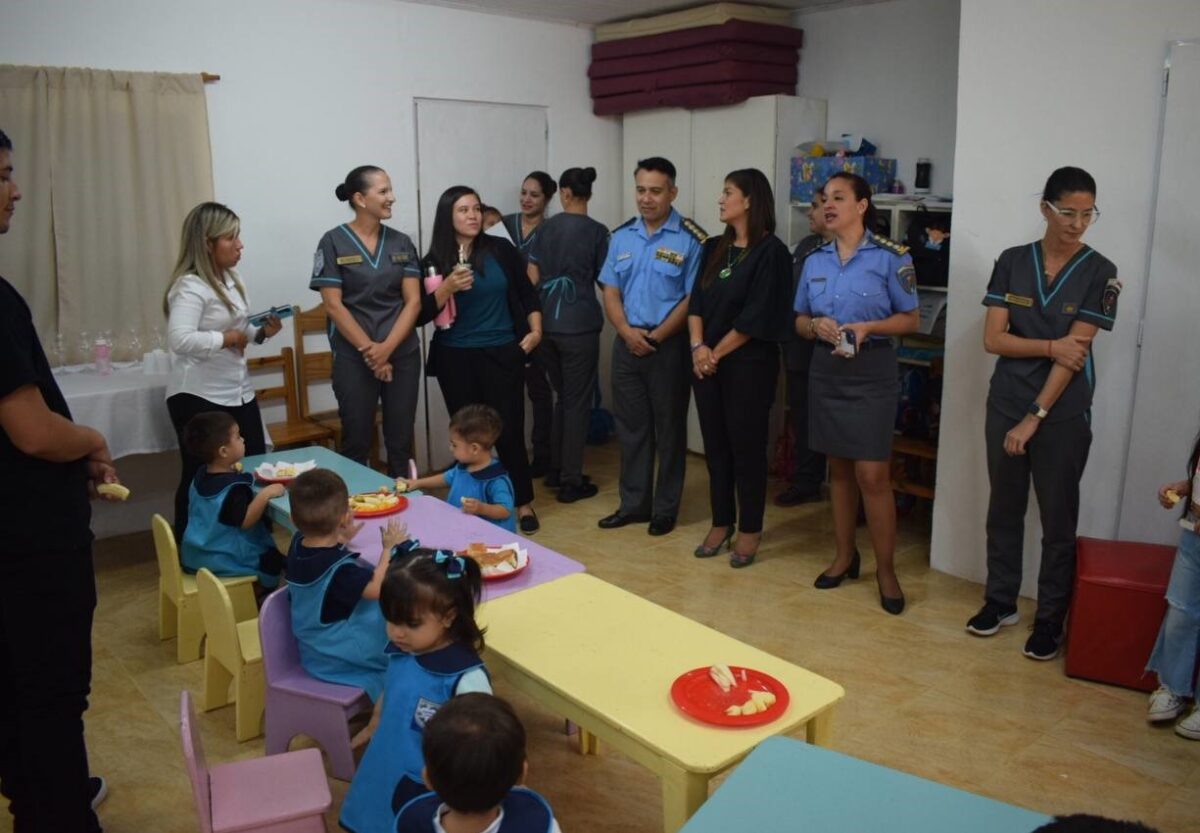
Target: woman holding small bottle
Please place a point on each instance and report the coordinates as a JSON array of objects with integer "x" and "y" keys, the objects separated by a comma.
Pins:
[{"x": 480, "y": 358}]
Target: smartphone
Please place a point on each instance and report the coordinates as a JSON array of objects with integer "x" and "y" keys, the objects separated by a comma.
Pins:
[
  {"x": 848, "y": 344},
  {"x": 260, "y": 318}
]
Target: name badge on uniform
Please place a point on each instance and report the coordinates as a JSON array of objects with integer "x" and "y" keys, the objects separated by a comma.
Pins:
[
  {"x": 624, "y": 256},
  {"x": 400, "y": 257},
  {"x": 1070, "y": 309},
  {"x": 1017, "y": 300},
  {"x": 669, "y": 256},
  {"x": 349, "y": 260}
]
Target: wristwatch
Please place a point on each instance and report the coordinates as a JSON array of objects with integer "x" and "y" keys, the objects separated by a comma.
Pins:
[{"x": 1037, "y": 410}]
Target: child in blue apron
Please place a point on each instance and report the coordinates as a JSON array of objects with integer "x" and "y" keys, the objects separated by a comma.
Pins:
[
  {"x": 428, "y": 599},
  {"x": 335, "y": 596},
  {"x": 474, "y": 758},
  {"x": 479, "y": 483},
  {"x": 226, "y": 531}
]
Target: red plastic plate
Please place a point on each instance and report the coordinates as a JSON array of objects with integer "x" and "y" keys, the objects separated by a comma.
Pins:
[
  {"x": 696, "y": 695},
  {"x": 379, "y": 513},
  {"x": 521, "y": 566}
]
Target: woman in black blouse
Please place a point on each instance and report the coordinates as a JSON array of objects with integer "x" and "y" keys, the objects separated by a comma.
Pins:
[{"x": 737, "y": 315}]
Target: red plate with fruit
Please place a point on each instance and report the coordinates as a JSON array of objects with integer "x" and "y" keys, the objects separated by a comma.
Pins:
[
  {"x": 698, "y": 694},
  {"x": 377, "y": 504}
]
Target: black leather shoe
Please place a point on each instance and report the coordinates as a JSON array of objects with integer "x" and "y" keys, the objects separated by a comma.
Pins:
[
  {"x": 894, "y": 606},
  {"x": 661, "y": 524},
  {"x": 827, "y": 582},
  {"x": 572, "y": 492},
  {"x": 617, "y": 520},
  {"x": 529, "y": 523}
]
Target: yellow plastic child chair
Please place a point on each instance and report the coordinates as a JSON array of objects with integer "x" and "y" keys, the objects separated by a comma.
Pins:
[
  {"x": 179, "y": 606},
  {"x": 232, "y": 652}
]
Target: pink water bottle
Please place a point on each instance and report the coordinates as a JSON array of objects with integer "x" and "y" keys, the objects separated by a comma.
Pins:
[
  {"x": 446, "y": 317},
  {"x": 102, "y": 353}
]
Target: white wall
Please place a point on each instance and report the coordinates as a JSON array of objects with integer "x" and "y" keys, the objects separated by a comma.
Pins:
[
  {"x": 889, "y": 72},
  {"x": 1042, "y": 85},
  {"x": 312, "y": 88}
]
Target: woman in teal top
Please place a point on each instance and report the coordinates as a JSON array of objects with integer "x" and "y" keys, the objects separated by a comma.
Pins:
[
  {"x": 480, "y": 359},
  {"x": 370, "y": 285}
]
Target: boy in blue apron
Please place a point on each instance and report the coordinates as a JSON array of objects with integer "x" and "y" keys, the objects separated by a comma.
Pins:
[
  {"x": 474, "y": 758},
  {"x": 479, "y": 483},
  {"x": 336, "y": 617},
  {"x": 226, "y": 530}
]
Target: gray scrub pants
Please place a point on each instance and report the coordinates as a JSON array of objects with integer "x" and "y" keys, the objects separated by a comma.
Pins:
[
  {"x": 650, "y": 404},
  {"x": 1054, "y": 459},
  {"x": 358, "y": 392},
  {"x": 571, "y": 363}
]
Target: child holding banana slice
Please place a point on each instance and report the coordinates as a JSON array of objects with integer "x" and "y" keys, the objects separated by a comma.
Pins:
[{"x": 478, "y": 483}]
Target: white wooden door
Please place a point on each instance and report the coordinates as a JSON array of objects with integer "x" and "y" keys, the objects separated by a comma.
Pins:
[
  {"x": 489, "y": 147},
  {"x": 1166, "y": 411}
]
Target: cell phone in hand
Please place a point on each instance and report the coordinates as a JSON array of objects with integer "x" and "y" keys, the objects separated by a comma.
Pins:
[
  {"x": 260, "y": 318},
  {"x": 848, "y": 344}
]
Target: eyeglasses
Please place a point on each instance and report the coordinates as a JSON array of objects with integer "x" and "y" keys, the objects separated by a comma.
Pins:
[{"x": 1070, "y": 215}]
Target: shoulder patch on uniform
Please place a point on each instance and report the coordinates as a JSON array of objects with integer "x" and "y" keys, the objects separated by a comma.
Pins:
[
  {"x": 890, "y": 244},
  {"x": 628, "y": 222},
  {"x": 694, "y": 230}
]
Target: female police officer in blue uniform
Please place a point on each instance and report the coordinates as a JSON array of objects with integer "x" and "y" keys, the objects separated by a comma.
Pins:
[
  {"x": 370, "y": 284},
  {"x": 858, "y": 288},
  {"x": 1045, "y": 301}
]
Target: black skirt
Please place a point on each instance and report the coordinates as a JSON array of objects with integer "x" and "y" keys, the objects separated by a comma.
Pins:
[{"x": 852, "y": 403}]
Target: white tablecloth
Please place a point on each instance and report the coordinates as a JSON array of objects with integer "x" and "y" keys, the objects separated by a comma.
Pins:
[{"x": 128, "y": 407}]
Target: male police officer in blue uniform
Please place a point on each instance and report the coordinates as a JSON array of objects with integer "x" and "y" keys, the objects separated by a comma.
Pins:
[{"x": 651, "y": 266}]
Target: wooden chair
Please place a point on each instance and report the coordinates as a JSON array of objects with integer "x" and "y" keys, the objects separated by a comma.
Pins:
[
  {"x": 314, "y": 368},
  {"x": 232, "y": 653},
  {"x": 179, "y": 605},
  {"x": 295, "y": 431}
]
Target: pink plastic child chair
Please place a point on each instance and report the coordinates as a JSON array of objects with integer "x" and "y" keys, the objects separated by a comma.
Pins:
[
  {"x": 280, "y": 794},
  {"x": 299, "y": 704}
]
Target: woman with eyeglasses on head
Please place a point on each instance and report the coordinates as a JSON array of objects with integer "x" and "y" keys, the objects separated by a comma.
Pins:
[
  {"x": 737, "y": 316},
  {"x": 1046, "y": 300},
  {"x": 855, "y": 293},
  {"x": 480, "y": 358}
]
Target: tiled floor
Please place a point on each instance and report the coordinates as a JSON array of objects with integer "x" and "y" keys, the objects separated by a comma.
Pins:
[{"x": 922, "y": 696}]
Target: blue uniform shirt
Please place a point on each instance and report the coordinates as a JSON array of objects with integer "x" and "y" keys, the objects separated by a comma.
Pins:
[
  {"x": 877, "y": 281},
  {"x": 489, "y": 485},
  {"x": 654, "y": 272}
]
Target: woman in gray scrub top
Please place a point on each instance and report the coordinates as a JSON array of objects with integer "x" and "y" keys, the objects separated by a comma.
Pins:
[{"x": 369, "y": 278}]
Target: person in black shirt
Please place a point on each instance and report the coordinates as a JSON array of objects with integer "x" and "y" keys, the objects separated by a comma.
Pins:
[
  {"x": 737, "y": 315},
  {"x": 49, "y": 468},
  {"x": 1046, "y": 300}
]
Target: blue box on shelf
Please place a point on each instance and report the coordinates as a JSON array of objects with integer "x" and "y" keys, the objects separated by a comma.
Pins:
[{"x": 811, "y": 172}]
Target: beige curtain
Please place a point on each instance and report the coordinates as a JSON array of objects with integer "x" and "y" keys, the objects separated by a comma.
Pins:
[{"x": 109, "y": 164}]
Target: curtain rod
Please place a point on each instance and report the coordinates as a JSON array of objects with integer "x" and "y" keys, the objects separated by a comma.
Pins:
[{"x": 209, "y": 78}]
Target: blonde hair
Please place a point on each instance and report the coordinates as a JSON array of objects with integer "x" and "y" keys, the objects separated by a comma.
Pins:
[{"x": 205, "y": 223}]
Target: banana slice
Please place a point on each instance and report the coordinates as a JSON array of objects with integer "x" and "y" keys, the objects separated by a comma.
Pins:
[
  {"x": 1173, "y": 496},
  {"x": 113, "y": 490},
  {"x": 722, "y": 676}
]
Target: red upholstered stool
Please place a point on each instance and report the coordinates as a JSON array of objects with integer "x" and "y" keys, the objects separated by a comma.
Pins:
[{"x": 1118, "y": 606}]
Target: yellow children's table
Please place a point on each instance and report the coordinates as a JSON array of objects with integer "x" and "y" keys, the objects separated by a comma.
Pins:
[{"x": 605, "y": 659}]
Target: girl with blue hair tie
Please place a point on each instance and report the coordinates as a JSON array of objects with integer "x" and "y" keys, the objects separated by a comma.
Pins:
[{"x": 428, "y": 599}]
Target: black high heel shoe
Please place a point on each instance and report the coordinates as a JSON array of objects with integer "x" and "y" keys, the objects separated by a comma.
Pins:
[
  {"x": 827, "y": 582},
  {"x": 892, "y": 604},
  {"x": 708, "y": 552}
]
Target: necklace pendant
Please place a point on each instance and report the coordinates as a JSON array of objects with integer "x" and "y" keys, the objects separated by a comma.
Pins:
[{"x": 725, "y": 273}]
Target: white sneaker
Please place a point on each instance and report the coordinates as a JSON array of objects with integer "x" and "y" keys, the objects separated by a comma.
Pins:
[
  {"x": 1164, "y": 705},
  {"x": 1189, "y": 727}
]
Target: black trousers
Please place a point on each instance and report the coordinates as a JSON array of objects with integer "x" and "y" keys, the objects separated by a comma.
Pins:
[
  {"x": 734, "y": 407},
  {"x": 650, "y": 402},
  {"x": 541, "y": 435},
  {"x": 182, "y": 407},
  {"x": 572, "y": 364},
  {"x": 1054, "y": 459},
  {"x": 808, "y": 467},
  {"x": 46, "y": 605},
  {"x": 358, "y": 392},
  {"x": 492, "y": 376}
]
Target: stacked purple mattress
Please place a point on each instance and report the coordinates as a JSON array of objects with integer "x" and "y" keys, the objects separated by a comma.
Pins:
[{"x": 704, "y": 66}]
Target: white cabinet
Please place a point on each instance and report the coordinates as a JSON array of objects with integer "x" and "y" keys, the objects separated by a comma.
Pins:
[{"x": 705, "y": 145}]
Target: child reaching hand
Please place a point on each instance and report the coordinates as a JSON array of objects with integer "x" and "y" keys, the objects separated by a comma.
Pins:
[
  {"x": 478, "y": 482},
  {"x": 428, "y": 599},
  {"x": 474, "y": 759},
  {"x": 1178, "y": 644},
  {"x": 226, "y": 531},
  {"x": 336, "y": 617}
]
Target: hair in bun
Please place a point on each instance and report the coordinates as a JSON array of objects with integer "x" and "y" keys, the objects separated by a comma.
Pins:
[
  {"x": 579, "y": 180},
  {"x": 356, "y": 182}
]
